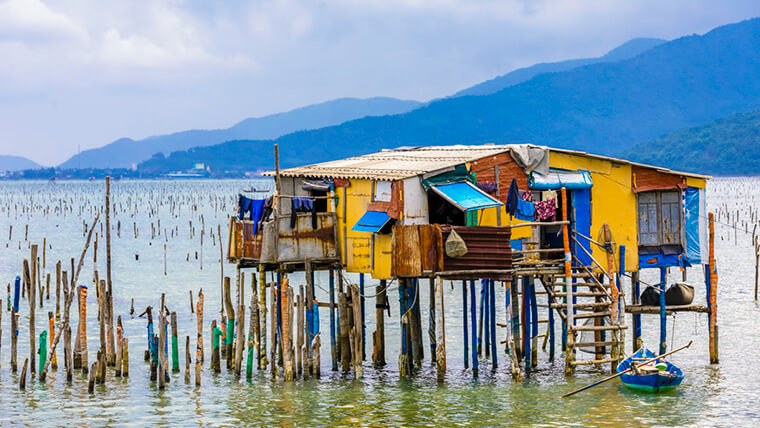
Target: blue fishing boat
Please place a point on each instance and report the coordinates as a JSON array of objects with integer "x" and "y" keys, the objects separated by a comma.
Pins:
[{"x": 660, "y": 377}]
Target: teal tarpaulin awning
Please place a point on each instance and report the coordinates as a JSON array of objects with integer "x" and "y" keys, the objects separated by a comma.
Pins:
[
  {"x": 372, "y": 221},
  {"x": 555, "y": 179},
  {"x": 465, "y": 196}
]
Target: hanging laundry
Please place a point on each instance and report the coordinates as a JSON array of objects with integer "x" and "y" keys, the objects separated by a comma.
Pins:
[
  {"x": 266, "y": 211},
  {"x": 526, "y": 195},
  {"x": 488, "y": 187},
  {"x": 525, "y": 210},
  {"x": 550, "y": 194},
  {"x": 513, "y": 195},
  {"x": 253, "y": 206},
  {"x": 302, "y": 204},
  {"x": 546, "y": 209}
]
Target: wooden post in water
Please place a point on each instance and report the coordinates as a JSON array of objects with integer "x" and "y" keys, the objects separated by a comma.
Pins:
[
  {"x": 32, "y": 294},
  {"x": 570, "y": 350},
  {"x": 51, "y": 327},
  {"x": 102, "y": 328},
  {"x": 199, "y": 340},
  {"x": 345, "y": 357},
  {"x": 240, "y": 328},
  {"x": 22, "y": 378},
  {"x": 162, "y": 369},
  {"x": 187, "y": 359},
  {"x": 286, "y": 308},
  {"x": 300, "y": 349},
  {"x": 58, "y": 290},
  {"x": 261, "y": 346},
  {"x": 432, "y": 333},
  {"x": 309, "y": 304},
  {"x": 378, "y": 354},
  {"x": 253, "y": 329},
  {"x": 663, "y": 316},
  {"x": 230, "y": 325},
  {"x": 175, "y": 343},
  {"x": 465, "y": 329},
  {"x": 357, "y": 331},
  {"x": 119, "y": 347},
  {"x": 474, "y": 329},
  {"x": 14, "y": 325},
  {"x": 713, "y": 293},
  {"x": 440, "y": 345},
  {"x": 333, "y": 338}
]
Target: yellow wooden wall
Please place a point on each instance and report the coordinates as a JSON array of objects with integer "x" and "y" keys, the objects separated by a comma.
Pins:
[
  {"x": 358, "y": 256},
  {"x": 612, "y": 201}
]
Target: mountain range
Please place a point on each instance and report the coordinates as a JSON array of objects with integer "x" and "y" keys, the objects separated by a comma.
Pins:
[
  {"x": 124, "y": 152},
  {"x": 603, "y": 108},
  {"x": 715, "y": 147},
  {"x": 16, "y": 163}
]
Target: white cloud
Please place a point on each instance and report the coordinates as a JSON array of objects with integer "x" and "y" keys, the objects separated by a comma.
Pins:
[{"x": 33, "y": 22}]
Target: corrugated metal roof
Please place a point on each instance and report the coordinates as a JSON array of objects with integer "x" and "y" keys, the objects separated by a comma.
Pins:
[
  {"x": 395, "y": 164},
  {"x": 405, "y": 162}
]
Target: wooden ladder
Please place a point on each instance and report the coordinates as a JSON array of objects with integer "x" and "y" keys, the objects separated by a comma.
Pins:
[{"x": 593, "y": 299}]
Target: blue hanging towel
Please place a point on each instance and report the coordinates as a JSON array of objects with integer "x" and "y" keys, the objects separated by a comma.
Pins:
[
  {"x": 302, "y": 204},
  {"x": 525, "y": 210},
  {"x": 512, "y": 197}
]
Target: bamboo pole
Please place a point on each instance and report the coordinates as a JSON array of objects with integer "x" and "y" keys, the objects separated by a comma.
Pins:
[
  {"x": 199, "y": 338},
  {"x": 240, "y": 345},
  {"x": 14, "y": 325},
  {"x": 345, "y": 348},
  {"x": 125, "y": 357},
  {"x": 713, "y": 296},
  {"x": 22, "y": 378},
  {"x": 570, "y": 350}
]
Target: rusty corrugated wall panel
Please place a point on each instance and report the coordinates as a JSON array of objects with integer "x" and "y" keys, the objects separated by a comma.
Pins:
[
  {"x": 406, "y": 260},
  {"x": 488, "y": 248},
  {"x": 306, "y": 242},
  {"x": 417, "y": 250}
]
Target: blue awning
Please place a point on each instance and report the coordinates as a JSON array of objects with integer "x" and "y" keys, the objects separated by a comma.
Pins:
[
  {"x": 553, "y": 180},
  {"x": 465, "y": 196},
  {"x": 372, "y": 221}
]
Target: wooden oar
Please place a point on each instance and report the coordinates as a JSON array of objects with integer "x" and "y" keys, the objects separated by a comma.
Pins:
[{"x": 626, "y": 371}]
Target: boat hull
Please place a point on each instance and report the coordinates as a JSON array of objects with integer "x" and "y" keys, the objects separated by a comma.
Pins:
[{"x": 664, "y": 381}]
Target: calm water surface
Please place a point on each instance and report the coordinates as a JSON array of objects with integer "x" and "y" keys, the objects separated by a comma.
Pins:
[{"x": 711, "y": 395}]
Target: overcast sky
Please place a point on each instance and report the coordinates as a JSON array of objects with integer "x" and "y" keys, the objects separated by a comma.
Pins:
[{"x": 86, "y": 72}]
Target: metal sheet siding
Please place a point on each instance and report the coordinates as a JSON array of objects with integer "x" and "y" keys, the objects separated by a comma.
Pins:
[{"x": 487, "y": 248}]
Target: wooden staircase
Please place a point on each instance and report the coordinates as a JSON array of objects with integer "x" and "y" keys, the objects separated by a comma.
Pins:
[{"x": 592, "y": 300}]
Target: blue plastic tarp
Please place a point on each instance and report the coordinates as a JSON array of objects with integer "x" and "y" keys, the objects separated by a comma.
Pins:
[
  {"x": 582, "y": 216},
  {"x": 554, "y": 179},
  {"x": 663, "y": 260},
  {"x": 465, "y": 196},
  {"x": 695, "y": 225},
  {"x": 372, "y": 221}
]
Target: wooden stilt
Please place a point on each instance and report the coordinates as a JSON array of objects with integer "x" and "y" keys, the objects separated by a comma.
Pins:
[
  {"x": 492, "y": 312},
  {"x": 357, "y": 331},
  {"x": 262, "y": 342},
  {"x": 229, "y": 332},
  {"x": 345, "y": 348},
  {"x": 253, "y": 330},
  {"x": 378, "y": 354},
  {"x": 473, "y": 321},
  {"x": 440, "y": 326},
  {"x": 713, "y": 293},
  {"x": 663, "y": 316},
  {"x": 465, "y": 315},
  {"x": 333, "y": 338}
]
